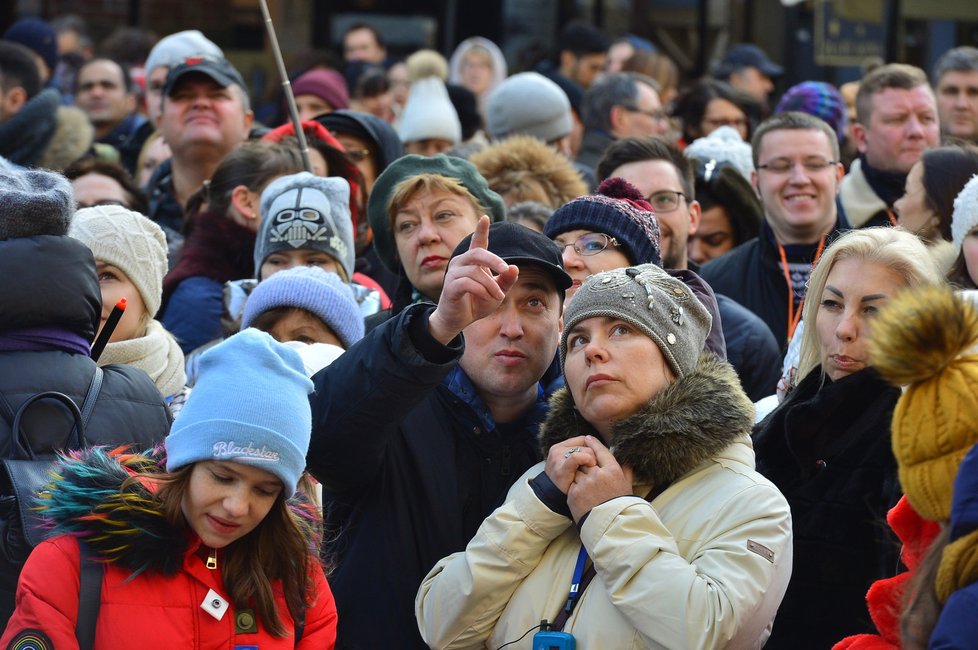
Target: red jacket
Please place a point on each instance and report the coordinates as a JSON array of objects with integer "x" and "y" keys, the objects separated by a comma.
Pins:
[{"x": 149, "y": 611}]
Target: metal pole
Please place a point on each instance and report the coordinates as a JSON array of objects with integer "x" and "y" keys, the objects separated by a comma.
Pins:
[{"x": 300, "y": 135}]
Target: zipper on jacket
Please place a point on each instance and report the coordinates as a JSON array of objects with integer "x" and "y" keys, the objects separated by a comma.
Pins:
[{"x": 211, "y": 559}]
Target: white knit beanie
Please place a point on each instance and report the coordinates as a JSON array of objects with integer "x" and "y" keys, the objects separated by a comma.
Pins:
[
  {"x": 964, "y": 218},
  {"x": 724, "y": 145},
  {"x": 429, "y": 113},
  {"x": 128, "y": 241}
]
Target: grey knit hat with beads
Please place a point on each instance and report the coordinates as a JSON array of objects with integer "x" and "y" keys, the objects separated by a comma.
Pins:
[{"x": 659, "y": 305}]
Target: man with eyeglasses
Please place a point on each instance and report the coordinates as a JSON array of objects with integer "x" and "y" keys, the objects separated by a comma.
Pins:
[
  {"x": 796, "y": 158},
  {"x": 665, "y": 176},
  {"x": 896, "y": 121},
  {"x": 620, "y": 105}
]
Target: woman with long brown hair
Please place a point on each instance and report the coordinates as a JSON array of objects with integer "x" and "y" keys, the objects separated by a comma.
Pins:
[{"x": 216, "y": 550}]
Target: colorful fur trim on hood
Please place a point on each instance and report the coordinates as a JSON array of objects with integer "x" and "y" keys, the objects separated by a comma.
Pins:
[
  {"x": 126, "y": 525},
  {"x": 687, "y": 423}
]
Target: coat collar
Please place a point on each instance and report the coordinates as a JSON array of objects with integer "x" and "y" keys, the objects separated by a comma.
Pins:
[{"x": 687, "y": 424}]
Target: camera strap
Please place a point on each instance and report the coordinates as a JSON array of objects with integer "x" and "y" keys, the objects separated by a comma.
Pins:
[{"x": 583, "y": 574}]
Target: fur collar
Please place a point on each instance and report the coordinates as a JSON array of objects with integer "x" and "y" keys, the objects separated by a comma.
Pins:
[
  {"x": 72, "y": 139},
  {"x": 687, "y": 423},
  {"x": 126, "y": 525}
]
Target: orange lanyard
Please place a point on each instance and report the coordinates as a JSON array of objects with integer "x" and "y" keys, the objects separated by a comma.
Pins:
[{"x": 795, "y": 316}]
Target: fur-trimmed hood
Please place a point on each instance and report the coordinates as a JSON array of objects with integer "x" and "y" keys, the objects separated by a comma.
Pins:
[
  {"x": 687, "y": 423},
  {"x": 72, "y": 138},
  {"x": 126, "y": 525}
]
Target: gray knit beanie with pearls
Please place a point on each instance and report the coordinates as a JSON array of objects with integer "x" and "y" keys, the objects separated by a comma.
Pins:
[{"x": 659, "y": 305}]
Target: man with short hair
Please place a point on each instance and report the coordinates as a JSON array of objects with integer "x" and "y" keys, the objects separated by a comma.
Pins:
[
  {"x": 620, "y": 105},
  {"x": 582, "y": 52},
  {"x": 104, "y": 91},
  {"x": 896, "y": 121},
  {"x": 362, "y": 42},
  {"x": 205, "y": 115},
  {"x": 956, "y": 83},
  {"x": 747, "y": 68},
  {"x": 35, "y": 129},
  {"x": 665, "y": 177},
  {"x": 168, "y": 52},
  {"x": 421, "y": 427},
  {"x": 797, "y": 175}
]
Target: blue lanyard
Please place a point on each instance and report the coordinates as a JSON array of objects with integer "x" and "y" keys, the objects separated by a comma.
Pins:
[{"x": 575, "y": 592}]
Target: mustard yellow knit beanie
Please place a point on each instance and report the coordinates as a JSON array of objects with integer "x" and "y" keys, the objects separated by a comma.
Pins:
[{"x": 925, "y": 339}]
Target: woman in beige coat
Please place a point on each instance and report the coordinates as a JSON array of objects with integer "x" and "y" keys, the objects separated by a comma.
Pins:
[{"x": 649, "y": 479}]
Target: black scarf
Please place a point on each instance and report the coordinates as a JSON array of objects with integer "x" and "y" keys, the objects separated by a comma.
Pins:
[{"x": 888, "y": 186}]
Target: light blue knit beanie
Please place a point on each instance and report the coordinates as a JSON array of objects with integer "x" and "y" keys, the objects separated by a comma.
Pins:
[
  {"x": 250, "y": 405},
  {"x": 319, "y": 292}
]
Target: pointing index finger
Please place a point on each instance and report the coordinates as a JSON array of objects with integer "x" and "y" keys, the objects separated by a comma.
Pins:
[{"x": 480, "y": 238}]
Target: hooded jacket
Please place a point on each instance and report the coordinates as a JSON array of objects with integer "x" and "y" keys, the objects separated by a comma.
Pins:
[
  {"x": 155, "y": 579},
  {"x": 56, "y": 287},
  {"x": 703, "y": 565}
]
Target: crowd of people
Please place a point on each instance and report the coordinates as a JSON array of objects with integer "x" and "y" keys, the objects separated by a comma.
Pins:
[{"x": 493, "y": 334}]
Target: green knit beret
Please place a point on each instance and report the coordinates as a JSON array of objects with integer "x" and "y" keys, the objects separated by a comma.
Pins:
[{"x": 412, "y": 165}]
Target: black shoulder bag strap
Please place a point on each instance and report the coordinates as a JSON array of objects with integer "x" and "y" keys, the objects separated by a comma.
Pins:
[
  {"x": 89, "y": 597},
  {"x": 93, "y": 390}
]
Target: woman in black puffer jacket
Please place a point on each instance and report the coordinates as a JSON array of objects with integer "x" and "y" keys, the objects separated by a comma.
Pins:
[{"x": 50, "y": 307}]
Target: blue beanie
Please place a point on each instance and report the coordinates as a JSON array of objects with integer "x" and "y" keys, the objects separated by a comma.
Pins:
[
  {"x": 250, "y": 405},
  {"x": 617, "y": 210},
  {"x": 319, "y": 292},
  {"x": 38, "y": 36},
  {"x": 818, "y": 98}
]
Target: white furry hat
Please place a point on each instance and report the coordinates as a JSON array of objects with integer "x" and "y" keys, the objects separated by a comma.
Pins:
[
  {"x": 724, "y": 145},
  {"x": 965, "y": 215}
]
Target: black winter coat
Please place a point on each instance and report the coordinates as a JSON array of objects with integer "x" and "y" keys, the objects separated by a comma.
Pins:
[
  {"x": 751, "y": 274},
  {"x": 828, "y": 450},
  {"x": 51, "y": 282},
  {"x": 409, "y": 471}
]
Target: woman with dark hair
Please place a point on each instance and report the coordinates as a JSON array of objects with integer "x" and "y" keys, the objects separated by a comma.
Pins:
[
  {"x": 710, "y": 104},
  {"x": 103, "y": 182},
  {"x": 206, "y": 544},
  {"x": 927, "y": 204}
]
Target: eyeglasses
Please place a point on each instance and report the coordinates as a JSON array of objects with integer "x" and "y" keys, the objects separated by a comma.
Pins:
[
  {"x": 658, "y": 116},
  {"x": 356, "y": 155},
  {"x": 717, "y": 122},
  {"x": 665, "y": 200},
  {"x": 589, "y": 244},
  {"x": 783, "y": 165}
]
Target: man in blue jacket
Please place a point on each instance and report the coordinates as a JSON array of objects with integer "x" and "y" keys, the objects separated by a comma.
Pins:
[{"x": 421, "y": 427}]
